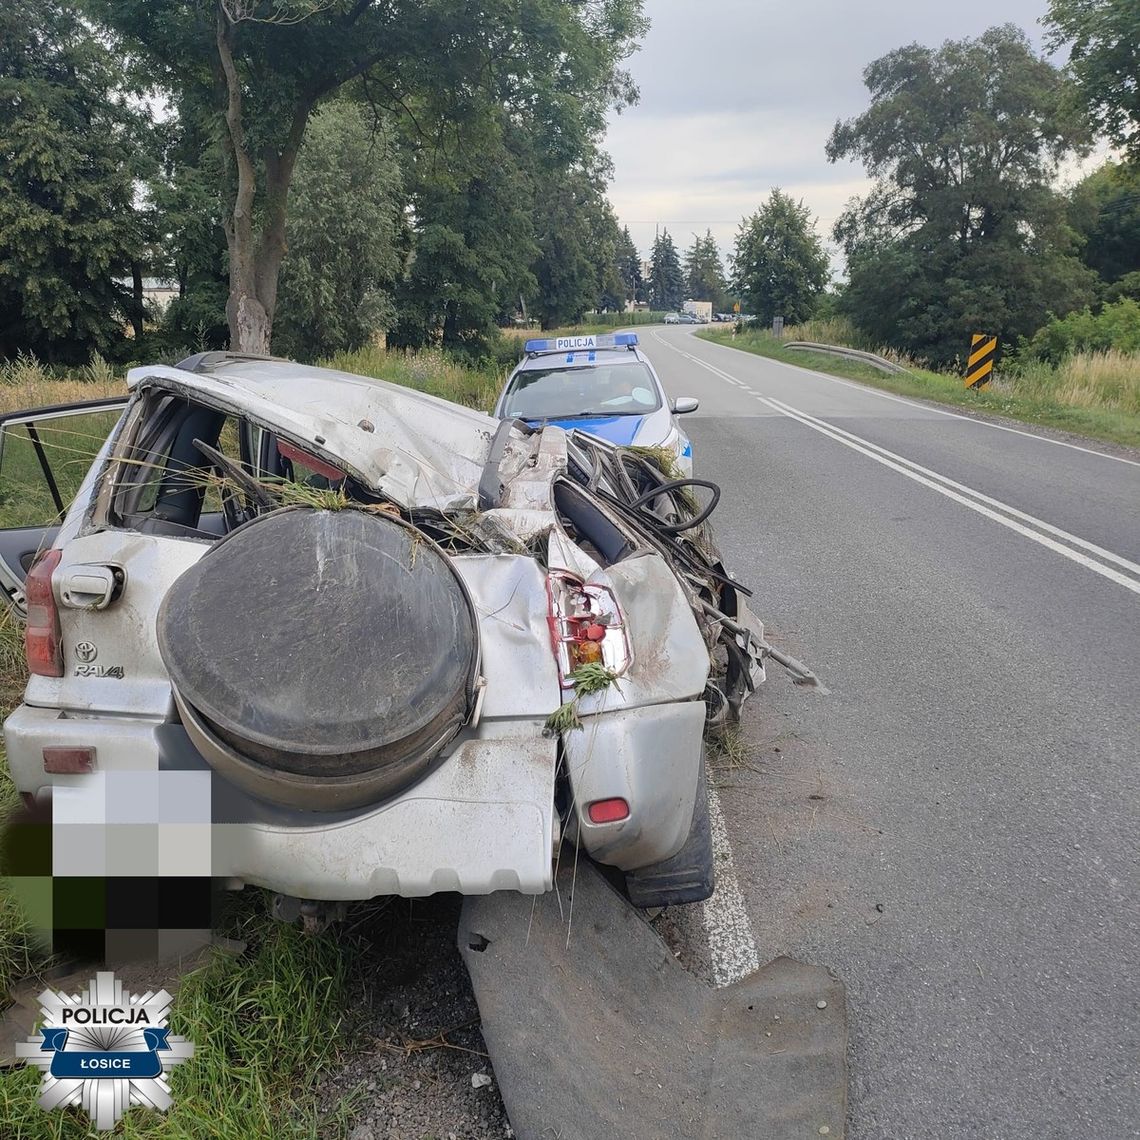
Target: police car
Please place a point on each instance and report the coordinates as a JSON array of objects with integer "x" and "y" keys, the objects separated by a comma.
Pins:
[{"x": 598, "y": 384}]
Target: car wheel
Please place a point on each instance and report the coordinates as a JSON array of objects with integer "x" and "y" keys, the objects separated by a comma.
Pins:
[{"x": 688, "y": 876}]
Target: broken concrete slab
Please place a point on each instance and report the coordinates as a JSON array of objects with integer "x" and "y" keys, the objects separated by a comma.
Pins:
[{"x": 594, "y": 1029}]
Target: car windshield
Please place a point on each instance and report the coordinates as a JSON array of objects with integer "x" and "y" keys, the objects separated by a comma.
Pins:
[{"x": 576, "y": 392}]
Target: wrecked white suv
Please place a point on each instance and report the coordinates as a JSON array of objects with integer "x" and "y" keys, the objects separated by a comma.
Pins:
[{"x": 341, "y": 639}]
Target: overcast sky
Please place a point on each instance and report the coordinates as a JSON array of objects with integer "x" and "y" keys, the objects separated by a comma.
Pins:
[{"x": 738, "y": 96}]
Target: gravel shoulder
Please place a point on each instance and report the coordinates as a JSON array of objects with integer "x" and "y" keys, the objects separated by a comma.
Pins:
[{"x": 419, "y": 1044}]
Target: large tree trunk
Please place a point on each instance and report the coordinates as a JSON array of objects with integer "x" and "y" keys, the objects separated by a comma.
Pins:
[
  {"x": 139, "y": 309},
  {"x": 255, "y": 253},
  {"x": 250, "y": 325}
]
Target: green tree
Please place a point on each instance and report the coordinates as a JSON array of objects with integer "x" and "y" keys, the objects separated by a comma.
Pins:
[
  {"x": 255, "y": 70},
  {"x": 666, "y": 279},
  {"x": 578, "y": 236},
  {"x": 628, "y": 262},
  {"x": 515, "y": 219},
  {"x": 606, "y": 243},
  {"x": 346, "y": 236},
  {"x": 71, "y": 150},
  {"x": 473, "y": 246},
  {"x": 704, "y": 272},
  {"x": 962, "y": 230},
  {"x": 188, "y": 207},
  {"x": 1105, "y": 211},
  {"x": 567, "y": 269},
  {"x": 779, "y": 265},
  {"x": 1104, "y": 60}
]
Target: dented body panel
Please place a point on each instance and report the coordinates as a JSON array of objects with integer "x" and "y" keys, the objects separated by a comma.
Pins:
[{"x": 514, "y": 511}]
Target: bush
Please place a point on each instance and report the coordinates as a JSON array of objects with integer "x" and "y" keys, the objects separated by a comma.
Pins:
[{"x": 1116, "y": 326}]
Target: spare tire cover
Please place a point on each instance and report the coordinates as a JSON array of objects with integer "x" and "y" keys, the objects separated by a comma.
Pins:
[{"x": 324, "y": 643}]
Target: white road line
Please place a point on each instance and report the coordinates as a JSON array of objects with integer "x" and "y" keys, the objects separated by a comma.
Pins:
[
  {"x": 923, "y": 407},
  {"x": 951, "y": 490},
  {"x": 732, "y": 947},
  {"x": 1043, "y": 540},
  {"x": 1057, "y": 532}
]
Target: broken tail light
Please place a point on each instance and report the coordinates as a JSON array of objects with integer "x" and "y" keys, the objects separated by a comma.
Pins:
[
  {"x": 42, "y": 637},
  {"x": 586, "y": 626}
]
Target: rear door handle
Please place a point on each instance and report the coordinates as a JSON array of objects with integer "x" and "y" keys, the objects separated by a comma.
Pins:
[{"x": 88, "y": 587}]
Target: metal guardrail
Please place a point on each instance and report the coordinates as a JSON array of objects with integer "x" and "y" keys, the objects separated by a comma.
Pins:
[{"x": 879, "y": 362}]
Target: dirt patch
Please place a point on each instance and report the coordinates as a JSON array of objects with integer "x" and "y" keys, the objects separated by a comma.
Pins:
[{"x": 417, "y": 1032}]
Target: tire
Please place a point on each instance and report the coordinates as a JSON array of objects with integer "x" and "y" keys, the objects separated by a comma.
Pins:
[
  {"x": 687, "y": 877},
  {"x": 320, "y": 660}
]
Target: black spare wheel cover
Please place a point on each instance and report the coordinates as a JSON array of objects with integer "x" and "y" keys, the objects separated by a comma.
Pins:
[{"x": 330, "y": 654}]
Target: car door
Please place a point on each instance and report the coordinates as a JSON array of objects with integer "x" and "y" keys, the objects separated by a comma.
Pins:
[{"x": 45, "y": 453}]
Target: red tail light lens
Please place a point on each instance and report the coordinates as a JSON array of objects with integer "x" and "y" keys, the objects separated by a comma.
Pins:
[
  {"x": 608, "y": 811},
  {"x": 69, "y": 761},
  {"x": 42, "y": 635}
]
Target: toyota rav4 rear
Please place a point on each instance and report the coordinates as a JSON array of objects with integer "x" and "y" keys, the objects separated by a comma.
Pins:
[{"x": 339, "y": 639}]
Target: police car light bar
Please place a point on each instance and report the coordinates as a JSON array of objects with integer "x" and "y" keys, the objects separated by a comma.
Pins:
[{"x": 581, "y": 343}]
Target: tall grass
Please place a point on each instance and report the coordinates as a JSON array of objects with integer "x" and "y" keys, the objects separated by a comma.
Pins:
[
  {"x": 26, "y": 382},
  {"x": 828, "y": 330},
  {"x": 430, "y": 370},
  {"x": 1109, "y": 380}
]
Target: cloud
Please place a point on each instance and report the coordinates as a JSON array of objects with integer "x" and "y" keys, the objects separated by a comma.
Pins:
[{"x": 740, "y": 96}]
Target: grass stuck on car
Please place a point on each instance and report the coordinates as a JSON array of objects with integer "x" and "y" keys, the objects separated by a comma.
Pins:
[
  {"x": 604, "y": 385},
  {"x": 339, "y": 639}
]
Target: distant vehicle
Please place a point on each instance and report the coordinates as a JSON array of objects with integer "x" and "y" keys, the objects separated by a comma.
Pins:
[
  {"x": 672, "y": 318},
  {"x": 687, "y": 319},
  {"x": 598, "y": 384}
]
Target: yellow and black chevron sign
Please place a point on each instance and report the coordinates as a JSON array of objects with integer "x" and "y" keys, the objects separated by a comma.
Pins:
[{"x": 980, "y": 366}]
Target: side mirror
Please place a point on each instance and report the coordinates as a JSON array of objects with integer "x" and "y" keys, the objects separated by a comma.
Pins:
[{"x": 683, "y": 404}]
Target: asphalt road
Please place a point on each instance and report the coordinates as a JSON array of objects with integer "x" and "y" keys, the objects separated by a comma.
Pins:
[{"x": 953, "y": 830}]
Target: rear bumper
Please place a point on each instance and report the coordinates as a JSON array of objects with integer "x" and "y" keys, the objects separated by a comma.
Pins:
[
  {"x": 651, "y": 758},
  {"x": 481, "y": 821}
]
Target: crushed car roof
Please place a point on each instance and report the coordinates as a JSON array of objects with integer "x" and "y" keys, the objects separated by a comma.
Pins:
[{"x": 418, "y": 449}]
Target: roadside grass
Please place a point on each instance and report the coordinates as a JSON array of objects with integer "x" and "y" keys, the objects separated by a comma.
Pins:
[
  {"x": 41, "y": 392},
  {"x": 1092, "y": 394},
  {"x": 430, "y": 370},
  {"x": 266, "y": 1024}
]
